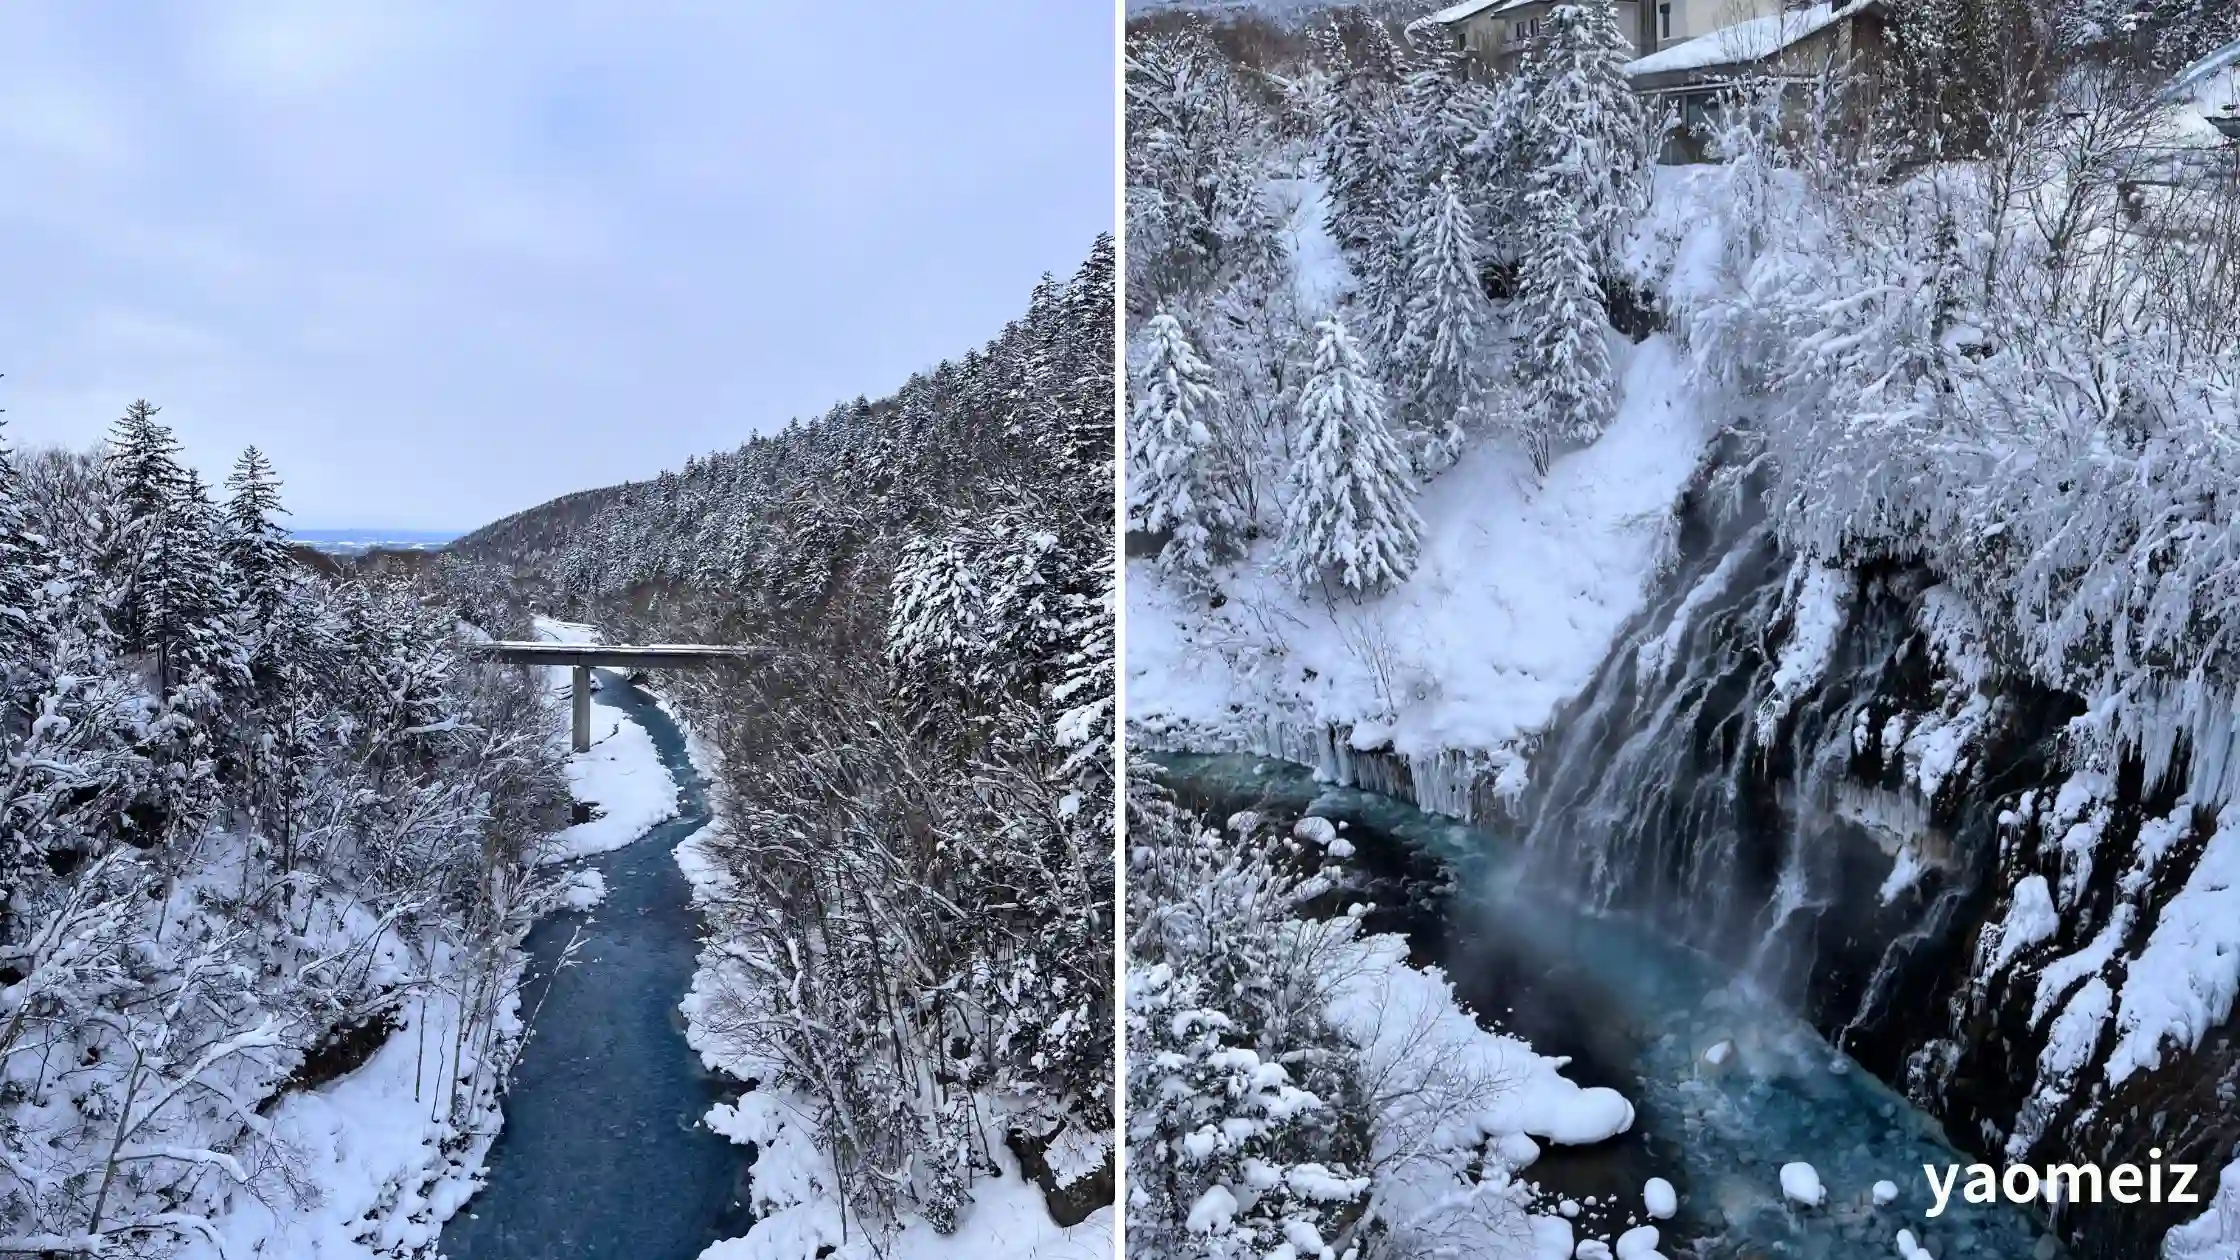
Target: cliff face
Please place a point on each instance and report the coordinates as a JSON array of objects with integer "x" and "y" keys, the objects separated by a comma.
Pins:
[{"x": 1825, "y": 778}]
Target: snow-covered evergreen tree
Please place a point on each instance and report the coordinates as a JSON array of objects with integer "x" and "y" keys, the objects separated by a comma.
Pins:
[
  {"x": 1363, "y": 148},
  {"x": 1589, "y": 133},
  {"x": 1351, "y": 516},
  {"x": 142, "y": 465},
  {"x": 1439, "y": 357},
  {"x": 256, "y": 545},
  {"x": 1564, "y": 359},
  {"x": 1584, "y": 188},
  {"x": 189, "y": 602},
  {"x": 1174, "y": 432},
  {"x": 21, "y": 569},
  {"x": 1358, "y": 162}
]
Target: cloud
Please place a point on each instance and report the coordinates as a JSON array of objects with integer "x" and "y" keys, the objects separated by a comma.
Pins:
[{"x": 445, "y": 261}]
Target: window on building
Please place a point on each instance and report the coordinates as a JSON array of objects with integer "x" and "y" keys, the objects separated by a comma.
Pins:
[{"x": 1664, "y": 21}]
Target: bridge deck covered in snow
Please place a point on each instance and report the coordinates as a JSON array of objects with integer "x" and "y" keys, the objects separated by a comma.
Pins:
[{"x": 582, "y": 657}]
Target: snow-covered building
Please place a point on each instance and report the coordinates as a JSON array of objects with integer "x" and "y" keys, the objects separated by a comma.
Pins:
[
  {"x": 1494, "y": 34},
  {"x": 1795, "y": 43},
  {"x": 2209, "y": 91}
]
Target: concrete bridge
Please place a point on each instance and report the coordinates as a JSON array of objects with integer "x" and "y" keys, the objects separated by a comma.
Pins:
[{"x": 582, "y": 657}]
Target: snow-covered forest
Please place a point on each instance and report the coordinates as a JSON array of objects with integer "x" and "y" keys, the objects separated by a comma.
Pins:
[
  {"x": 909, "y": 888},
  {"x": 258, "y": 826},
  {"x": 1446, "y": 400}
]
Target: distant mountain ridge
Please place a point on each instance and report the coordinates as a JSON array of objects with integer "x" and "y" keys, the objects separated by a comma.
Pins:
[{"x": 358, "y": 541}]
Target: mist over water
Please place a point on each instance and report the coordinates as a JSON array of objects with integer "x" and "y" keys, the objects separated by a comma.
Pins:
[{"x": 1728, "y": 1082}]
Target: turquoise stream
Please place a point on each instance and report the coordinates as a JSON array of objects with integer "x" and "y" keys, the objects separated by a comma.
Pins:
[
  {"x": 1639, "y": 1013},
  {"x": 603, "y": 1155}
]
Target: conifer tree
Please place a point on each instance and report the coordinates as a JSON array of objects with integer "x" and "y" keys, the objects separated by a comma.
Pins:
[
  {"x": 187, "y": 599},
  {"x": 256, "y": 545},
  {"x": 1437, "y": 361},
  {"x": 1172, "y": 435},
  {"x": 1443, "y": 113},
  {"x": 1564, "y": 358},
  {"x": 145, "y": 479},
  {"x": 1358, "y": 165},
  {"x": 20, "y": 564},
  {"x": 1350, "y": 516},
  {"x": 1590, "y": 136},
  {"x": 1584, "y": 188}
]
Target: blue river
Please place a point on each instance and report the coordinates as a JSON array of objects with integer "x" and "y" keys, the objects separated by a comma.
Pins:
[
  {"x": 603, "y": 1154},
  {"x": 1727, "y": 1083}
]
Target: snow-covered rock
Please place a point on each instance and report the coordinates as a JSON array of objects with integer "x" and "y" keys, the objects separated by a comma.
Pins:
[
  {"x": 1551, "y": 1237},
  {"x": 1638, "y": 1243},
  {"x": 1575, "y": 1116},
  {"x": 586, "y": 888},
  {"x": 1800, "y": 1183},
  {"x": 1661, "y": 1199},
  {"x": 1885, "y": 1192}
]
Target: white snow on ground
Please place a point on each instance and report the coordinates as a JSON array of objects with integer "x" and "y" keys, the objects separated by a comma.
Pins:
[
  {"x": 798, "y": 1216},
  {"x": 1418, "y": 1042},
  {"x": 1521, "y": 591},
  {"x": 2215, "y": 1234},
  {"x": 1319, "y": 275},
  {"x": 797, "y": 1210},
  {"x": 622, "y": 775},
  {"x": 368, "y": 1146},
  {"x": 1409, "y": 1017}
]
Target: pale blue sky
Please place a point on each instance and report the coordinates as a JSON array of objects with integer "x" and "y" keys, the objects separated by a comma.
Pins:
[{"x": 447, "y": 260}]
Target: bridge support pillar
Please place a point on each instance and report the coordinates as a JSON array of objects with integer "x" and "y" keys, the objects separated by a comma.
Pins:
[{"x": 581, "y": 701}]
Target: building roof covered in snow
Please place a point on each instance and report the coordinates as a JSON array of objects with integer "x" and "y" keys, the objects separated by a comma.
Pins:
[
  {"x": 1468, "y": 9},
  {"x": 1745, "y": 42},
  {"x": 2194, "y": 77}
]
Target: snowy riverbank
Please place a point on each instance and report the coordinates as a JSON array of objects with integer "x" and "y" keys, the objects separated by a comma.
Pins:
[
  {"x": 797, "y": 1209},
  {"x": 383, "y": 1170}
]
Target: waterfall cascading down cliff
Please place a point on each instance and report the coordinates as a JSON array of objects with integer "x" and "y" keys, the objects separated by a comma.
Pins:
[
  {"x": 1819, "y": 776},
  {"x": 1725, "y": 774}
]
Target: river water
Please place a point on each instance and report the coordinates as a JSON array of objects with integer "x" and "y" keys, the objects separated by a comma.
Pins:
[
  {"x": 1727, "y": 1083},
  {"x": 603, "y": 1154}
]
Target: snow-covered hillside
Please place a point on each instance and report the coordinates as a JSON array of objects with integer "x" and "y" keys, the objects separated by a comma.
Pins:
[
  {"x": 800, "y": 1211},
  {"x": 1864, "y": 614},
  {"x": 269, "y": 859},
  {"x": 1523, "y": 585}
]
